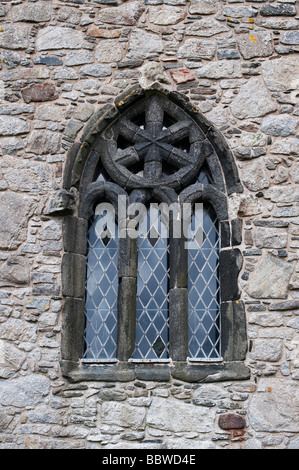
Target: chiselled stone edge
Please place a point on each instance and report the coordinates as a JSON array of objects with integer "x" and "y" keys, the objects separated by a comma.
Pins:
[
  {"x": 127, "y": 372},
  {"x": 79, "y": 152}
]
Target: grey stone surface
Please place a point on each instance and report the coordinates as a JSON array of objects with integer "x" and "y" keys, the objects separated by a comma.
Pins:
[
  {"x": 253, "y": 100},
  {"x": 203, "y": 7},
  {"x": 22, "y": 175},
  {"x": 270, "y": 238},
  {"x": 180, "y": 418},
  {"x": 124, "y": 415},
  {"x": 257, "y": 44},
  {"x": 13, "y": 230},
  {"x": 56, "y": 37},
  {"x": 229, "y": 76},
  {"x": 80, "y": 57},
  {"x": 14, "y": 271},
  {"x": 281, "y": 125},
  {"x": 281, "y": 74},
  {"x": 255, "y": 175},
  {"x": 10, "y": 125},
  {"x": 144, "y": 45},
  {"x": 273, "y": 406},
  {"x": 14, "y": 37},
  {"x": 32, "y": 12},
  {"x": 222, "y": 69},
  {"x": 108, "y": 51},
  {"x": 288, "y": 146},
  {"x": 197, "y": 49},
  {"x": 270, "y": 279},
  {"x": 24, "y": 391},
  {"x": 267, "y": 350},
  {"x": 127, "y": 14},
  {"x": 290, "y": 37},
  {"x": 11, "y": 360},
  {"x": 44, "y": 142},
  {"x": 206, "y": 27},
  {"x": 95, "y": 70},
  {"x": 166, "y": 15}
]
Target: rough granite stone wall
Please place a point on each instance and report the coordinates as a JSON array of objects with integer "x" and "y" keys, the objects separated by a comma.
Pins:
[{"x": 61, "y": 61}]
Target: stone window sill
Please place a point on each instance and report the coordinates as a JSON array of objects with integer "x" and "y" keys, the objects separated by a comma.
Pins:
[{"x": 160, "y": 372}]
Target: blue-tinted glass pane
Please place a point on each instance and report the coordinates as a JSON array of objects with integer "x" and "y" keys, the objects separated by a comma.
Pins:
[
  {"x": 152, "y": 293},
  {"x": 203, "y": 284},
  {"x": 101, "y": 290}
]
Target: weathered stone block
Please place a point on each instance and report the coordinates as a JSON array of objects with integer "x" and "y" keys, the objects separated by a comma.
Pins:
[
  {"x": 221, "y": 69},
  {"x": 61, "y": 203},
  {"x": 11, "y": 360},
  {"x": 278, "y": 10},
  {"x": 56, "y": 37},
  {"x": 108, "y": 51},
  {"x": 124, "y": 415},
  {"x": 281, "y": 125},
  {"x": 239, "y": 12},
  {"x": 290, "y": 37},
  {"x": 166, "y": 15},
  {"x": 127, "y": 14},
  {"x": 273, "y": 407},
  {"x": 144, "y": 45},
  {"x": 40, "y": 92},
  {"x": 180, "y": 418},
  {"x": 230, "y": 421},
  {"x": 73, "y": 275},
  {"x": 13, "y": 230},
  {"x": 182, "y": 75},
  {"x": 26, "y": 175},
  {"x": 256, "y": 44},
  {"x": 43, "y": 142},
  {"x": 203, "y": 7},
  {"x": 206, "y": 27},
  {"x": 230, "y": 265},
  {"x": 288, "y": 146},
  {"x": 32, "y": 12},
  {"x": 271, "y": 279},
  {"x": 14, "y": 271},
  {"x": 29, "y": 390},
  {"x": 10, "y": 125},
  {"x": 253, "y": 100},
  {"x": 95, "y": 70},
  {"x": 270, "y": 238},
  {"x": 18, "y": 330},
  {"x": 233, "y": 328},
  {"x": 197, "y": 49},
  {"x": 281, "y": 74},
  {"x": 255, "y": 175},
  {"x": 14, "y": 37}
]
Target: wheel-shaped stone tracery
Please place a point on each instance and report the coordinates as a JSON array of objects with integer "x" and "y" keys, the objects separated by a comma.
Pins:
[{"x": 153, "y": 144}]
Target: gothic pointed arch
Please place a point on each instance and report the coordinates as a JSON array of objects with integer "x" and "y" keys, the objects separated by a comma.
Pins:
[{"x": 150, "y": 146}]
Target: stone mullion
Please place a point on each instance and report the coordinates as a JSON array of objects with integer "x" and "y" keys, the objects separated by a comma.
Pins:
[
  {"x": 127, "y": 273},
  {"x": 178, "y": 297}
]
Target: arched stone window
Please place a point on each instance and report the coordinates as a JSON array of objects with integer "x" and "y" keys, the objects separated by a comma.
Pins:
[{"x": 141, "y": 304}]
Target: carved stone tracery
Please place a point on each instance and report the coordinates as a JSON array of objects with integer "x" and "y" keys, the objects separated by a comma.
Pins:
[{"x": 153, "y": 144}]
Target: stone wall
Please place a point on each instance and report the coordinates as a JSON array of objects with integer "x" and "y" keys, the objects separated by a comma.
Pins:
[{"x": 61, "y": 61}]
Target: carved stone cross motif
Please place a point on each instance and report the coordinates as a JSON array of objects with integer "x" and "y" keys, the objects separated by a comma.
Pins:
[{"x": 154, "y": 144}]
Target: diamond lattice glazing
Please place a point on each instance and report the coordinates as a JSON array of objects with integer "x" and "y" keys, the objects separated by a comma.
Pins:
[
  {"x": 101, "y": 292},
  {"x": 203, "y": 285},
  {"x": 152, "y": 293}
]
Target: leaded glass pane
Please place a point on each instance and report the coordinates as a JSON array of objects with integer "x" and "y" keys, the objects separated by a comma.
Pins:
[
  {"x": 100, "y": 334},
  {"x": 152, "y": 290},
  {"x": 203, "y": 284}
]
